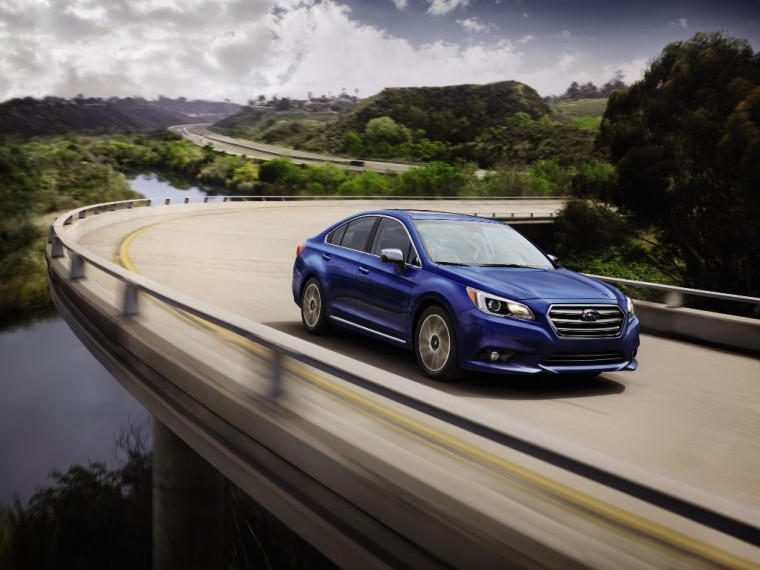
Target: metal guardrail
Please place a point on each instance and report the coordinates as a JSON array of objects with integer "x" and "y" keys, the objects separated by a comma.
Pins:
[
  {"x": 676, "y": 294},
  {"x": 61, "y": 244}
]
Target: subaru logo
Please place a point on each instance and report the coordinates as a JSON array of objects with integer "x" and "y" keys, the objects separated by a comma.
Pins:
[{"x": 590, "y": 315}]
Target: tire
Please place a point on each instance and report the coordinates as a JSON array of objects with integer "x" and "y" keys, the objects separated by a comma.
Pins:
[
  {"x": 435, "y": 345},
  {"x": 314, "y": 309}
]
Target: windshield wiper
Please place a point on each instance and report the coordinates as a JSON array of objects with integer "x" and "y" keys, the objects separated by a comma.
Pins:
[{"x": 456, "y": 263}]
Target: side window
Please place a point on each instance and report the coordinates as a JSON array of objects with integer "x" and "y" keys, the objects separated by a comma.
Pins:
[
  {"x": 336, "y": 236},
  {"x": 357, "y": 232},
  {"x": 392, "y": 235}
]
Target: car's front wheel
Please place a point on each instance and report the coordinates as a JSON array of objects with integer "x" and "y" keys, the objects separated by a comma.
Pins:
[
  {"x": 313, "y": 309},
  {"x": 435, "y": 345}
]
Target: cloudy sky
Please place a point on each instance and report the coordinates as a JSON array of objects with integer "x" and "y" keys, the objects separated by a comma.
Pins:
[{"x": 239, "y": 49}]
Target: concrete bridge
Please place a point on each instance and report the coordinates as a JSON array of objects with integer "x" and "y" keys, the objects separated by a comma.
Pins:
[{"x": 344, "y": 440}]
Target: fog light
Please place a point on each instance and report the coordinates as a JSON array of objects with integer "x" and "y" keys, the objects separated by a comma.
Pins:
[{"x": 495, "y": 355}]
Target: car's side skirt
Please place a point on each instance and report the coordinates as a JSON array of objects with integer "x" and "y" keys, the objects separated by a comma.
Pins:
[{"x": 372, "y": 331}]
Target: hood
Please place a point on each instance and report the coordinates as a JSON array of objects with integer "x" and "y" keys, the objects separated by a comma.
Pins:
[{"x": 525, "y": 284}]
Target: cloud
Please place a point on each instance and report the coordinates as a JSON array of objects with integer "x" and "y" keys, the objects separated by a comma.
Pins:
[
  {"x": 443, "y": 7},
  {"x": 680, "y": 23},
  {"x": 239, "y": 49},
  {"x": 566, "y": 60},
  {"x": 473, "y": 25},
  {"x": 334, "y": 52},
  {"x": 401, "y": 4}
]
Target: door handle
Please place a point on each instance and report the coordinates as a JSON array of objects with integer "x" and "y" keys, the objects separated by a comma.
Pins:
[
  {"x": 364, "y": 269},
  {"x": 326, "y": 256}
]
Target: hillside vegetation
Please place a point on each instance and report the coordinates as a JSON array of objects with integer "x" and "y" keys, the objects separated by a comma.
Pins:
[
  {"x": 29, "y": 117},
  {"x": 504, "y": 123}
]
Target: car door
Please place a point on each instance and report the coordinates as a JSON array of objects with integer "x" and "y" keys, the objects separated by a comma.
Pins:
[
  {"x": 344, "y": 247},
  {"x": 383, "y": 292}
]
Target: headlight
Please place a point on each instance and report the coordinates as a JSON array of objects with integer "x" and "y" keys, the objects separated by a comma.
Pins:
[
  {"x": 499, "y": 306},
  {"x": 631, "y": 308}
]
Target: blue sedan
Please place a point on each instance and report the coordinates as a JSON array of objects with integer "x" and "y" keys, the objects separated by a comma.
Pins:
[{"x": 464, "y": 293}]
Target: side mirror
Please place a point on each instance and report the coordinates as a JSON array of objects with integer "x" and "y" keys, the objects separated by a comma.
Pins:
[
  {"x": 553, "y": 259},
  {"x": 393, "y": 255}
]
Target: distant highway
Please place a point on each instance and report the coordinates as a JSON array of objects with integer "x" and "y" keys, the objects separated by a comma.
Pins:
[{"x": 201, "y": 135}]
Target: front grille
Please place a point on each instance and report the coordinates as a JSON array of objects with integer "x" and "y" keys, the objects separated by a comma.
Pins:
[
  {"x": 583, "y": 358},
  {"x": 569, "y": 321}
]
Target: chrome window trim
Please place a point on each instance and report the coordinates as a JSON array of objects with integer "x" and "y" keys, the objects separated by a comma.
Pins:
[{"x": 417, "y": 265}]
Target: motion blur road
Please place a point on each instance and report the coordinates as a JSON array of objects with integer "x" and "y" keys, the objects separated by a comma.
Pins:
[{"x": 691, "y": 413}]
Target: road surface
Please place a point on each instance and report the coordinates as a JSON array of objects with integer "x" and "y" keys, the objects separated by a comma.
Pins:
[{"x": 689, "y": 413}]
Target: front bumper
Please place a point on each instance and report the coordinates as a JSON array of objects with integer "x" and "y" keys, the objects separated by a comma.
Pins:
[{"x": 533, "y": 347}]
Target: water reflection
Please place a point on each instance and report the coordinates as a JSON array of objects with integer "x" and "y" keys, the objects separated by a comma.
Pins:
[
  {"x": 58, "y": 406},
  {"x": 156, "y": 185}
]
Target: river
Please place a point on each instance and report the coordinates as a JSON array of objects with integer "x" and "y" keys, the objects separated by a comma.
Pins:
[{"x": 58, "y": 405}]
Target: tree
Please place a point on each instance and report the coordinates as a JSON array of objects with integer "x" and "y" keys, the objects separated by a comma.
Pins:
[
  {"x": 437, "y": 179},
  {"x": 386, "y": 130},
  {"x": 279, "y": 172},
  {"x": 573, "y": 92},
  {"x": 91, "y": 517},
  {"x": 588, "y": 91},
  {"x": 684, "y": 144},
  {"x": 614, "y": 84}
]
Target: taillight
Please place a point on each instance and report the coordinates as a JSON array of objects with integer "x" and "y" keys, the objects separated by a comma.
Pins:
[{"x": 300, "y": 248}]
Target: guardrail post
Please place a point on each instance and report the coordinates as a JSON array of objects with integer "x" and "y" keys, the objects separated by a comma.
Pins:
[
  {"x": 187, "y": 200},
  {"x": 77, "y": 267},
  {"x": 82, "y": 214},
  {"x": 130, "y": 205},
  {"x": 167, "y": 201},
  {"x": 225, "y": 199},
  {"x": 130, "y": 307},
  {"x": 57, "y": 249},
  {"x": 112, "y": 207},
  {"x": 51, "y": 234},
  {"x": 674, "y": 299},
  {"x": 148, "y": 202}
]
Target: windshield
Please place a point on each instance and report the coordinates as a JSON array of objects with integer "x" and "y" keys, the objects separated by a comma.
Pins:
[{"x": 470, "y": 242}]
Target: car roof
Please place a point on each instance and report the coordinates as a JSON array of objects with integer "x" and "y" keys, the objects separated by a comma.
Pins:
[{"x": 431, "y": 215}]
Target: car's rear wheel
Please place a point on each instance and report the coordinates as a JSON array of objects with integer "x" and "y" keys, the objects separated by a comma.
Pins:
[
  {"x": 313, "y": 309},
  {"x": 435, "y": 345}
]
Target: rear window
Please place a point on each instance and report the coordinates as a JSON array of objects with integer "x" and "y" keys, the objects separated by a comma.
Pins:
[
  {"x": 353, "y": 234},
  {"x": 335, "y": 236}
]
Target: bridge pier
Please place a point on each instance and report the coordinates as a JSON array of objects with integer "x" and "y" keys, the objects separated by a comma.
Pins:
[{"x": 188, "y": 506}]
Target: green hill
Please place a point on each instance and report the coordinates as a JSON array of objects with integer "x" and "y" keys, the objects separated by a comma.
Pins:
[
  {"x": 498, "y": 123},
  {"x": 453, "y": 114},
  {"x": 29, "y": 117}
]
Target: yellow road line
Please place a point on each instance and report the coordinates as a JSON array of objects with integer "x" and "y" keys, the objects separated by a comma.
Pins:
[{"x": 582, "y": 501}]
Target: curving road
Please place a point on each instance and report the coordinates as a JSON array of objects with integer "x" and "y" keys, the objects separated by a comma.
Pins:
[
  {"x": 201, "y": 135},
  {"x": 689, "y": 413}
]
